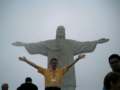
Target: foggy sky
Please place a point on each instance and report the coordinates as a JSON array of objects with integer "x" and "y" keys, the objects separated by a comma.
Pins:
[{"x": 37, "y": 20}]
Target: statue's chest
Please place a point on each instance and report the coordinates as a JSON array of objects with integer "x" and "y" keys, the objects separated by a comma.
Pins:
[{"x": 62, "y": 44}]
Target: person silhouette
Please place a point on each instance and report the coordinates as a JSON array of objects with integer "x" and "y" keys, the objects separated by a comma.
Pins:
[
  {"x": 112, "y": 81},
  {"x": 4, "y": 86},
  {"x": 114, "y": 62},
  {"x": 28, "y": 85}
]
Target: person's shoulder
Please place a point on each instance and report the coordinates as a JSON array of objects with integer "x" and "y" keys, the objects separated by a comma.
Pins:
[
  {"x": 108, "y": 75},
  {"x": 111, "y": 74},
  {"x": 34, "y": 86},
  {"x": 23, "y": 84},
  {"x": 59, "y": 69},
  {"x": 111, "y": 77}
]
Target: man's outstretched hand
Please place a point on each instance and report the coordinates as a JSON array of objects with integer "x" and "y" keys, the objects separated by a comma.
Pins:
[
  {"x": 22, "y": 58},
  {"x": 81, "y": 56}
]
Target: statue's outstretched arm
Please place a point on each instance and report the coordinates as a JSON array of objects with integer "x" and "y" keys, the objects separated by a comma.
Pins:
[
  {"x": 102, "y": 40},
  {"x": 34, "y": 48},
  {"x": 19, "y": 44},
  {"x": 86, "y": 47}
]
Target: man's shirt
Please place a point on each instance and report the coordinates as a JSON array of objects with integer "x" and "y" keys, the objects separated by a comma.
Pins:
[{"x": 53, "y": 79}]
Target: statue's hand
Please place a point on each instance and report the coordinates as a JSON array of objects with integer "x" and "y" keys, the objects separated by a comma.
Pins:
[
  {"x": 18, "y": 44},
  {"x": 103, "y": 40},
  {"x": 22, "y": 58}
]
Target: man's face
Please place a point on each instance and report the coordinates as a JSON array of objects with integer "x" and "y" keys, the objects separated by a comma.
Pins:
[
  {"x": 115, "y": 64},
  {"x": 54, "y": 63}
]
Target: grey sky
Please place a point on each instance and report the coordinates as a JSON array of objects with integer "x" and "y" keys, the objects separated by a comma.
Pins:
[{"x": 37, "y": 20}]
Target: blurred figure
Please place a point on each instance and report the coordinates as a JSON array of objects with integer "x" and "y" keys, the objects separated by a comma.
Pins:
[
  {"x": 114, "y": 61},
  {"x": 112, "y": 81},
  {"x": 28, "y": 85},
  {"x": 53, "y": 74},
  {"x": 4, "y": 86}
]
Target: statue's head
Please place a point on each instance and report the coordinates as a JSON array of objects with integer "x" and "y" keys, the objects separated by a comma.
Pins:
[{"x": 60, "y": 33}]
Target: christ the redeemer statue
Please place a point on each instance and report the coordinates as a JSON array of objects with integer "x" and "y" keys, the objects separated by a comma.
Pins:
[{"x": 64, "y": 50}]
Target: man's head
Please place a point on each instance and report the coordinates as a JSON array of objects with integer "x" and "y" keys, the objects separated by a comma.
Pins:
[
  {"x": 28, "y": 80},
  {"x": 5, "y": 86},
  {"x": 114, "y": 61},
  {"x": 60, "y": 34},
  {"x": 53, "y": 63},
  {"x": 112, "y": 81}
]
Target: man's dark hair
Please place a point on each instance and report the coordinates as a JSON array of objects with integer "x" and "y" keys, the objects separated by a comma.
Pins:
[
  {"x": 114, "y": 56},
  {"x": 53, "y": 59},
  {"x": 111, "y": 78},
  {"x": 28, "y": 79}
]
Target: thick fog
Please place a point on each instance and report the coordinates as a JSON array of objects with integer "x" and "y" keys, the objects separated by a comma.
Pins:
[{"x": 37, "y": 20}]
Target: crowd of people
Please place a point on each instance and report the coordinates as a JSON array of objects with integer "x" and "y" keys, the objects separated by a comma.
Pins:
[{"x": 54, "y": 75}]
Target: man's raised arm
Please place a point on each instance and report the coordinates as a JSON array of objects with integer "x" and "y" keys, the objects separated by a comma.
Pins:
[
  {"x": 76, "y": 60},
  {"x": 24, "y": 59}
]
